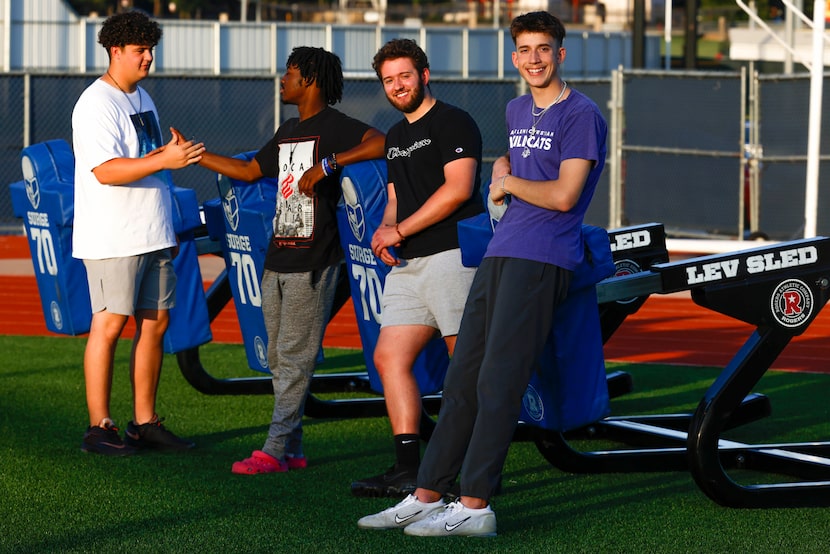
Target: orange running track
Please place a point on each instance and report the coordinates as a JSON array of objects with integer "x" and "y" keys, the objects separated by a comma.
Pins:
[{"x": 668, "y": 329}]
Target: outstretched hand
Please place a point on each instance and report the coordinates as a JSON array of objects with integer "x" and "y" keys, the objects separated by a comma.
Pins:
[
  {"x": 178, "y": 135},
  {"x": 179, "y": 152}
]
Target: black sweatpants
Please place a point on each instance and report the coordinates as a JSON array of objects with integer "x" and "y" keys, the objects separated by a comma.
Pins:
[{"x": 507, "y": 320}]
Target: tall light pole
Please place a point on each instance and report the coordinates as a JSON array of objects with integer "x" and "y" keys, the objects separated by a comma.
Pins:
[{"x": 690, "y": 45}]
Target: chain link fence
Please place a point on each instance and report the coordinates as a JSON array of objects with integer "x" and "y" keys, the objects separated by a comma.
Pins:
[
  {"x": 229, "y": 114},
  {"x": 679, "y": 150},
  {"x": 780, "y": 155},
  {"x": 682, "y": 148}
]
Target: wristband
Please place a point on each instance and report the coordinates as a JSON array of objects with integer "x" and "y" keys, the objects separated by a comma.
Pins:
[
  {"x": 324, "y": 163},
  {"x": 333, "y": 162},
  {"x": 403, "y": 238},
  {"x": 502, "y": 183}
]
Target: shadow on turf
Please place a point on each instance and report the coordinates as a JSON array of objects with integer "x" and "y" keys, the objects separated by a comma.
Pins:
[{"x": 535, "y": 504}]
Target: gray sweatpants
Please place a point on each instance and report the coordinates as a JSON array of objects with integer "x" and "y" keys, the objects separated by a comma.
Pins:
[{"x": 296, "y": 307}]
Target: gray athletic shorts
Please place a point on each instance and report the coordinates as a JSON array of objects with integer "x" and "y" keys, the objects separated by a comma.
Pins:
[
  {"x": 124, "y": 285},
  {"x": 431, "y": 291}
]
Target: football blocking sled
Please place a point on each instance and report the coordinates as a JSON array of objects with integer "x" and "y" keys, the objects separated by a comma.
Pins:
[
  {"x": 45, "y": 202},
  {"x": 570, "y": 388},
  {"x": 240, "y": 220},
  {"x": 778, "y": 289}
]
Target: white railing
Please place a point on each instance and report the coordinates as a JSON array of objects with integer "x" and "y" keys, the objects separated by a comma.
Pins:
[{"x": 208, "y": 47}]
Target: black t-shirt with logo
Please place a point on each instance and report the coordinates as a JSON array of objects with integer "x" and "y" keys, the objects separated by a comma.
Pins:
[
  {"x": 415, "y": 157},
  {"x": 305, "y": 229}
]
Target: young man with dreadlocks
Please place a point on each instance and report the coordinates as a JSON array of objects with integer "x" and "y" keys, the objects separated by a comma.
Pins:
[{"x": 302, "y": 262}]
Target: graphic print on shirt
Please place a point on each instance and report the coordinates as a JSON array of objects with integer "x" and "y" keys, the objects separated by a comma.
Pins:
[
  {"x": 294, "y": 217},
  {"x": 148, "y": 131},
  {"x": 531, "y": 139}
]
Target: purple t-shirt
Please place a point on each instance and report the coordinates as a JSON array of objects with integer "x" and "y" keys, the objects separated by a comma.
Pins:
[{"x": 574, "y": 128}]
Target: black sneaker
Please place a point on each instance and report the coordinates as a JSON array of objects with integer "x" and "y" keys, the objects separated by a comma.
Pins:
[
  {"x": 104, "y": 439},
  {"x": 154, "y": 435},
  {"x": 396, "y": 482}
]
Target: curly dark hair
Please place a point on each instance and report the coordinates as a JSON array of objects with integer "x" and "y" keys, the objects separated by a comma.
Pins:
[
  {"x": 538, "y": 22},
  {"x": 320, "y": 66},
  {"x": 401, "y": 48},
  {"x": 132, "y": 27}
]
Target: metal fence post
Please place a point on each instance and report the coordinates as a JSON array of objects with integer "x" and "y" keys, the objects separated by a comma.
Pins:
[
  {"x": 27, "y": 109},
  {"x": 615, "y": 215}
]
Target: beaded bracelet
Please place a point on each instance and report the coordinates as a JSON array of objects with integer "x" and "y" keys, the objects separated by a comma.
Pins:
[{"x": 403, "y": 238}]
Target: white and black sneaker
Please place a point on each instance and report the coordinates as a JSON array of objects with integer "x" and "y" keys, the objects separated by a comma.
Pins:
[
  {"x": 456, "y": 519},
  {"x": 407, "y": 511}
]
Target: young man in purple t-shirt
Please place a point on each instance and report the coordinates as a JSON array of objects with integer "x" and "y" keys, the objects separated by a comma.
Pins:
[{"x": 557, "y": 152}]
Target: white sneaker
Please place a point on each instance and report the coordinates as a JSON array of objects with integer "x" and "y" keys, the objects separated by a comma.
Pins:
[
  {"x": 409, "y": 510},
  {"x": 456, "y": 519}
]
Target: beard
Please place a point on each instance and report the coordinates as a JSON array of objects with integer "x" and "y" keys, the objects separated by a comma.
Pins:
[{"x": 415, "y": 100}]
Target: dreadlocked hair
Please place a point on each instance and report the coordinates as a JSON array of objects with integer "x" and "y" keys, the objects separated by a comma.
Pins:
[
  {"x": 132, "y": 27},
  {"x": 319, "y": 66}
]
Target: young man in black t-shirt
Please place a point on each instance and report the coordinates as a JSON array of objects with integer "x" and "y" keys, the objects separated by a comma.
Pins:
[
  {"x": 433, "y": 156},
  {"x": 304, "y": 255}
]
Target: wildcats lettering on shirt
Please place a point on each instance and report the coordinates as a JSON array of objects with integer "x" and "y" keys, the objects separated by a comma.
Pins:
[
  {"x": 760, "y": 263},
  {"x": 536, "y": 142},
  {"x": 238, "y": 242},
  {"x": 362, "y": 255},
  {"x": 629, "y": 241},
  {"x": 38, "y": 219}
]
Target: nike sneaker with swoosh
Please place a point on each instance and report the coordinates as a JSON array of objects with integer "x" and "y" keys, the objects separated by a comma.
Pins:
[
  {"x": 408, "y": 511},
  {"x": 456, "y": 519},
  {"x": 104, "y": 439}
]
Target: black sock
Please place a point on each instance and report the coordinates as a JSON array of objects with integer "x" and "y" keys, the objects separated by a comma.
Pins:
[{"x": 408, "y": 450}]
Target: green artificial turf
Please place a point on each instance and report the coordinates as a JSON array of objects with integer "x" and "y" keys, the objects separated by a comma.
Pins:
[{"x": 54, "y": 498}]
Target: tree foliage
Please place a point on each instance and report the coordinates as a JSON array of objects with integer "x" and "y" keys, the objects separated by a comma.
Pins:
[{"x": 208, "y": 9}]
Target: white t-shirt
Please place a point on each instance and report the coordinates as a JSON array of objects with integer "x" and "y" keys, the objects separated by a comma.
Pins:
[{"x": 113, "y": 221}]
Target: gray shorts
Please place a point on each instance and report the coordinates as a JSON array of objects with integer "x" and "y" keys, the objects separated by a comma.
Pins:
[
  {"x": 124, "y": 285},
  {"x": 430, "y": 291}
]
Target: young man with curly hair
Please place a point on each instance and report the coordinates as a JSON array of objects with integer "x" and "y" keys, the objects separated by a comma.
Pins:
[{"x": 123, "y": 232}]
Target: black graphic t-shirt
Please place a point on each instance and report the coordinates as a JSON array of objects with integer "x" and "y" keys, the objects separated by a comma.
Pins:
[
  {"x": 305, "y": 229},
  {"x": 415, "y": 157}
]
